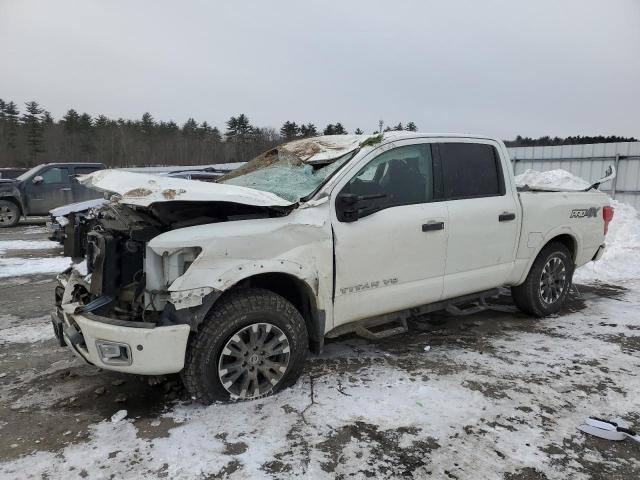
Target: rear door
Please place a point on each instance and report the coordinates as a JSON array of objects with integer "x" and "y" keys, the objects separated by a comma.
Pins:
[
  {"x": 393, "y": 258},
  {"x": 483, "y": 216},
  {"x": 52, "y": 191},
  {"x": 80, "y": 192}
]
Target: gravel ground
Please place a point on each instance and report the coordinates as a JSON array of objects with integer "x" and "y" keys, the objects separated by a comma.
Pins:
[{"x": 492, "y": 395}]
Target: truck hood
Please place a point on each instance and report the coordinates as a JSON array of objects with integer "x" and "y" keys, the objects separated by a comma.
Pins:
[{"x": 144, "y": 190}]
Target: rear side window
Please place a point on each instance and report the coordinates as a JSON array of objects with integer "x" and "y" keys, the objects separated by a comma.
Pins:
[{"x": 470, "y": 170}]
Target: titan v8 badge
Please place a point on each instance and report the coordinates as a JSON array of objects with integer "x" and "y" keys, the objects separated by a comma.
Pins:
[{"x": 584, "y": 212}]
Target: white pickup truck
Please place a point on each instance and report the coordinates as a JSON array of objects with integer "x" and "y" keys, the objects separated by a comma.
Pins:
[{"x": 231, "y": 283}]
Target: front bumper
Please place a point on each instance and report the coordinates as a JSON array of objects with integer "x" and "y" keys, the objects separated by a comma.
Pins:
[{"x": 153, "y": 350}]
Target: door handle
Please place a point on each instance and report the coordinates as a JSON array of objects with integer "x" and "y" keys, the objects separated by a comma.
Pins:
[
  {"x": 66, "y": 189},
  {"x": 431, "y": 226},
  {"x": 506, "y": 217}
]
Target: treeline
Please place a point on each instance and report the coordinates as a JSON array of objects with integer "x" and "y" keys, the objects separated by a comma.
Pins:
[
  {"x": 33, "y": 136},
  {"x": 575, "y": 140}
]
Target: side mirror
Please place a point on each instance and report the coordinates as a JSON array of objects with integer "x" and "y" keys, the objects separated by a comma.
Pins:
[
  {"x": 350, "y": 207},
  {"x": 37, "y": 180}
]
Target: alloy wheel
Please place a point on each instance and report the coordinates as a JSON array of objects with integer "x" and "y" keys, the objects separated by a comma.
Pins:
[{"x": 254, "y": 360}]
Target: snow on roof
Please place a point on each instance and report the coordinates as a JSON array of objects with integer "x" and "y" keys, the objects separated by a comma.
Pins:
[{"x": 329, "y": 147}]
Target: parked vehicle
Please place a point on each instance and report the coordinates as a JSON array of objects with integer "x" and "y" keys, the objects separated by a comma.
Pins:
[
  {"x": 42, "y": 188},
  {"x": 231, "y": 283},
  {"x": 11, "y": 172}
]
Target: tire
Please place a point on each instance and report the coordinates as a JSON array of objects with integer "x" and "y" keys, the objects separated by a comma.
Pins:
[
  {"x": 9, "y": 214},
  {"x": 229, "y": 327},
  {"x": 545, "y": 290}
]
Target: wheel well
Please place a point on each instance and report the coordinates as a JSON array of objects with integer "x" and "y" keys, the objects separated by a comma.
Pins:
[
  {"x": 13, "y": 200},
  {"x": 301, "y": 297},
  {"x": 568, "y": 241}
]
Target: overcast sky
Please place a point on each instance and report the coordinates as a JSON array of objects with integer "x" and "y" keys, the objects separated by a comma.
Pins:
[{"x": 492, "y": 67}]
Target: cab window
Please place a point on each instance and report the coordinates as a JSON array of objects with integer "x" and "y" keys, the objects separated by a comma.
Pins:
[
  {"x": 55, "y": 175},
  {"x": 401, "y": 176}
]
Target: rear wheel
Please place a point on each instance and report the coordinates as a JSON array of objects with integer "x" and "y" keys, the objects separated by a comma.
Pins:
[
  {"x": 9, "y": 214},
  {"x": 547, "y": 285},
  {"x": 253, "y": 343}
]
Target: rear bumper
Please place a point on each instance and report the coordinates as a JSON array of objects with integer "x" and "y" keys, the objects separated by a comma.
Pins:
[{"x": 152, "y": 350}]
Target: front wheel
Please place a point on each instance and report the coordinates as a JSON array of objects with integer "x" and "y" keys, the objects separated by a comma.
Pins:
[
  {"x": 252, "y": 343},
  {"x": 545, "y": 290},
  {"x": 9, "y": 214}
]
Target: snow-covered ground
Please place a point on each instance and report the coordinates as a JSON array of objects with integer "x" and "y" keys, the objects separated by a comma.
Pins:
[
  {"x": 18, "y": 266},
  {"x": 508, "y": 403}
]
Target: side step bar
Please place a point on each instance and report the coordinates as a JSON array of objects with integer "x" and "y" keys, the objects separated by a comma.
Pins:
[
  {"x": 363, "y": 328},
  {"x": 364, "y": 332}
]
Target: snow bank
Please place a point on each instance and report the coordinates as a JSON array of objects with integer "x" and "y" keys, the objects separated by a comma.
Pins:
[
  {"x": 15, "y": 267},
  {"x": 26, "y": 245},
  {"x": 552, "y": 179},
  {"x": 621, "y": 258}
]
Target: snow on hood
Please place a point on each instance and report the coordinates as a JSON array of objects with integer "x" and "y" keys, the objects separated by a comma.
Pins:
[
  {"x": 551, "y": 180},
  {"x": 144, "y": 189},
  {"x": 323, "y": 149}
]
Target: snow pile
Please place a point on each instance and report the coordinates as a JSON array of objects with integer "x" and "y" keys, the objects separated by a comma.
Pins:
[
  {"x": 14, "y": 267},
  {"x": 551, "y": 180},
  {"x": 26, "y": 245},
  {"x": 621, "y": 258}
]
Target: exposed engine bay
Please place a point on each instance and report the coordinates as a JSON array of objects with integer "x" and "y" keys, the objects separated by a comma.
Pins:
[{"x": 113, "y": 240}]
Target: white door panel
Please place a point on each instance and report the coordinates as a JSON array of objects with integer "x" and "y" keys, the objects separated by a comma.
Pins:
[
  {"x": 386, "y": 262},
  {"x": 481, "y": 247}
]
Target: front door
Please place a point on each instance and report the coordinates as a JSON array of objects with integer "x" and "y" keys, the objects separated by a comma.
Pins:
[
  {"x": 483, "y": 217},
  {"x": 393, "y": 256},
  {"x": 52, "y": 190}
]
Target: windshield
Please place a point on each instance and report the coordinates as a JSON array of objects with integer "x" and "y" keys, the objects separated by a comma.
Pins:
[
  {"x": 283, "y": 173},
  {"x": 29, "y": 173}
]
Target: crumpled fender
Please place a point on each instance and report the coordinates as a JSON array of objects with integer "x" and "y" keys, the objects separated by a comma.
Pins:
[{"x": 299, "y": 244}]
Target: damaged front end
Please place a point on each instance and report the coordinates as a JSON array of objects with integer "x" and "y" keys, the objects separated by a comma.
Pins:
[{"x": 114, "y": 308}]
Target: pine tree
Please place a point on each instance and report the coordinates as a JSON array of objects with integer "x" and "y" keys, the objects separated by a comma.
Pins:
[
  {"x": 339, "y": 129},
  {"x": 398, "y": 128},
  {"x": 308, "y": 130},
  {"x": 33, "y": 126},
  {"x": 411, "y": 127},
  {"x": 329, "y": 130},
  {"x": 190, "y": 128},
  {"x": 289, "y": 130},
  {"x": 238, "y": 128},
  {"x": 86, "y": 134},
  {"x": 147, "y": 124},
  {"x": 358, "y": 131},
  {"x": 11, "y": 113}
]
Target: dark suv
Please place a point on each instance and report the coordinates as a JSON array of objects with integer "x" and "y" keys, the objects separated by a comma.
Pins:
[{"x": 42, "y": 188}]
